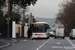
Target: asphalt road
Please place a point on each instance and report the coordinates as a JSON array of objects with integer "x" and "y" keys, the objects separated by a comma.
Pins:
[{"x": 44, "y": 44}]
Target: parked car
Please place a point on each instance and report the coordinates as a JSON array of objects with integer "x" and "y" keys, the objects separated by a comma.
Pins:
[
  {"x": 51, "y": 32},
  {"x": 72, "y": 34}
]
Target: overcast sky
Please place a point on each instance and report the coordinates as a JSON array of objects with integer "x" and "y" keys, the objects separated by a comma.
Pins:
[{"x": 46, "y": 8}]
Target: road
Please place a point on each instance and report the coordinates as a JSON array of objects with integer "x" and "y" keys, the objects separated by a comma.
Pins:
[{"x": 44, "y": 44}]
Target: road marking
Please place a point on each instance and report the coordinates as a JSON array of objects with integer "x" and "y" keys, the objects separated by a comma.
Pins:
[
  {"x": 73, "y": 47},
  {"x": 23, "y": 40},
  {"x": 43, "y": 44},
  {"x": 58, "y": 43},
  {"x": 70, "y": 42}
]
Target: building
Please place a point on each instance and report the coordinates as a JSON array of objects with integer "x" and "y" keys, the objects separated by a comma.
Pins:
[
  {"x": 5, "y": 8},
  {"x": 57, "y": 25}
]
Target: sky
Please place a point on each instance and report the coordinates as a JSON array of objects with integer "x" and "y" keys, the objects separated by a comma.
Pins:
[{"x": 46, "y": 8}]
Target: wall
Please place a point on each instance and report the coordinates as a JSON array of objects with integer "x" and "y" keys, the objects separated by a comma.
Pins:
[
  {"x": 25, "y": 31},
  {"x": 18, "y": 30}
]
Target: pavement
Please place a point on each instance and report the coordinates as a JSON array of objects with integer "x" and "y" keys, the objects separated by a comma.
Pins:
[{"x": 8, "y": 42}]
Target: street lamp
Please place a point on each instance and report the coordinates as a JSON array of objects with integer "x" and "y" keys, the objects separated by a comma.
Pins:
[
  {"x": 8, "y": 18},
  {"x": 23, "y": 23}
]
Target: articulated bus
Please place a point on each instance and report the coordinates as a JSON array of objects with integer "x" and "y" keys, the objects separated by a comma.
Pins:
[{"x": 39, "y": 30}]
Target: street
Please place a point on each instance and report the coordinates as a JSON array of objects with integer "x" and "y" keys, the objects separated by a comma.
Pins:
[{"x": 44, "y": 44}]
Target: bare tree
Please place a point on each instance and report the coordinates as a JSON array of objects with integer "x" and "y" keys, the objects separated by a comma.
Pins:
[
  {"x": 67, "y": 14},
  {"x": 19, "y": 10}
]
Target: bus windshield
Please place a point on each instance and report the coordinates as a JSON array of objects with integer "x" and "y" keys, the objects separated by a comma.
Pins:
[{"x": 39, "y": 29}]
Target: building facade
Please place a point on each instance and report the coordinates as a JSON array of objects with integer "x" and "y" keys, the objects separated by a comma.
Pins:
[{"x": 5, "y": 8}]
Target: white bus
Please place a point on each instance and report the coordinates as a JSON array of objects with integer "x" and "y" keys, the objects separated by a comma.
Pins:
[{"x": 39, "y": 30}]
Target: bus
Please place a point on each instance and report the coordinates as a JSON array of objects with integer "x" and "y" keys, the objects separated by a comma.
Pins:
[{"x": 39, "y": 30}]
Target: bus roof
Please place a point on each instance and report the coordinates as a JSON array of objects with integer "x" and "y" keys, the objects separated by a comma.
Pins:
[{"x": 40, "y": 23}]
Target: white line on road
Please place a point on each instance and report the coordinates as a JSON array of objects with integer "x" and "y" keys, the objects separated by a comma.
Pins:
[
  {"x": 58, "y": 43},
  {"x": 70, "y": 42},
  {"x": 43, "y": 44},
  {"x": 23, "y": 40}
]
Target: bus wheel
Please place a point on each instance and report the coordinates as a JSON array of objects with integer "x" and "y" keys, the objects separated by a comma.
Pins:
[{"x": 63, "y": 37}]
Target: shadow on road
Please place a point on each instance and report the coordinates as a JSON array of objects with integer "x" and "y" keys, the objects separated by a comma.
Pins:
[{"x": 40, "y": 38}]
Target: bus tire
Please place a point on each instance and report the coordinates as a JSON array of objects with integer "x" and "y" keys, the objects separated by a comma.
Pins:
[{"x": 63, "y": 37}]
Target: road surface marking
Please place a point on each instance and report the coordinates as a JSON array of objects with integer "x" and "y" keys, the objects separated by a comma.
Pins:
[
  {"x": 62, "y": 47},
  {"x": 73, "y": 47},
  {"x": 25, "y": 40},
  {"x": 70, "y": 42},
  {"x": 58, "y": 43},
  {"x": 43, "y": 44}
]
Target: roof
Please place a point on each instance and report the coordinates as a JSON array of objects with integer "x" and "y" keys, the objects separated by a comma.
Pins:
[
  {"x": 56, "y": 22},
  {"x": 53, "y": 25},
  {"x": 59, "y": 26}
]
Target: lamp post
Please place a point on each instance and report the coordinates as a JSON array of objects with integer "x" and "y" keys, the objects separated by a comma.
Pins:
[
  {"x": 23, "y": 23},
  {"x": 8, "y": 18}
]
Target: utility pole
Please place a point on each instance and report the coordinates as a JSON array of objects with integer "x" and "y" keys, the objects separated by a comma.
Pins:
[
  {"x": 29, "y": 21},
  {"x": 23, "y": 23},
  {"x": 23, "y": 14},
  {"x": 8, "y": 17},
  {"x": 31, "y": 18}
]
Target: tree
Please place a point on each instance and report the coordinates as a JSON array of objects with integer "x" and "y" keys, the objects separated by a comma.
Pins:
[
  {"x": 1, "y": 13},
  {"x": 19, "y": 10},
  {"x": 22, "y": 3},
  {"x": 34, "y": 20},
  {"x": 2, "y": 3},
  {"x": 67, "y": 14},
  {"x": 14, "y": 17},
  {"x": 1, "y": 17}
]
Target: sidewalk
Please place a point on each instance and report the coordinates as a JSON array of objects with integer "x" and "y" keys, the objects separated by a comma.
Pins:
[{"x": 5, "y": 42}]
